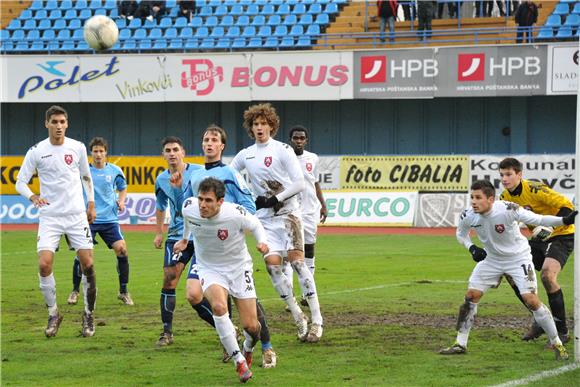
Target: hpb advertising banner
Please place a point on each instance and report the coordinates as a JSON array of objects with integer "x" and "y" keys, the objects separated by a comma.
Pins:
[
  {"x": 370, "y": 208},
  {"x": 405, "y": 173}
]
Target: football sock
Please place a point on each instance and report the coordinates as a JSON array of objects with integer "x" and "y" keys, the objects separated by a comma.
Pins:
[
  {"x": 467, "y": 312},
  {"x": 167, "y": 307},
  {"x": 48, "y": 289},
  {"x": 264, "y": 332},
  {"x": 89, "y": 281},
  {"x": 544, "y": 319},
  {"x": 251, "y": 339},
  {"x": 203, "y": 310},
  {"x": 288, "y": 272},
  {"x": 123, "y": 271},
  {"x": 308, "y": 287},
  {"x": 76, "y": 274},
  {"x": 282, "y": 286},
  {"x": 227, "y": 333},
  {"x": 310, "y": 264},
  {"x": 556, "y": 301}
]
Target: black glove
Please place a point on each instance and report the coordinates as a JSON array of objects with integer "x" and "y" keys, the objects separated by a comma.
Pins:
[
  {"x": 264, "y": 202},
  {"x": 569, "y": 219},
  {"x": 477, "y": 253}
]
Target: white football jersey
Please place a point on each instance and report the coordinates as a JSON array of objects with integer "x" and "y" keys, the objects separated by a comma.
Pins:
[
  {"x": 59, "y": 168},
  {"x": 307, "y": 198},
  {"x": 272, "y": 167},
  {"x": 499, "y": 230},
  {"x": 220, "y": 242}
]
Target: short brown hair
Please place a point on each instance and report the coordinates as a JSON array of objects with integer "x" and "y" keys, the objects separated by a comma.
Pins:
[
  {"x": 511, "y": 163},
  {"x": 265, "y": 110},
  {"x": 216, "y": 129},
  {"x": 170, "y": 140},
  {"x": 53, "y": 110},
  {"x": 485, "y": 186},
  {"x": 98, "y": 141},
  {"x": 211, "y": 184}
]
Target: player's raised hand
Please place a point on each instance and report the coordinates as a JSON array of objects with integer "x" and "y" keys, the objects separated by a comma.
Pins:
[
  {"x": 158, "y": 240},
  {"x": 91, "y": 212},
  {"x": 38, "y": 201},
  {"x": 323, "y": 214},
  {"x": 263, "y": 248},
  {"x": 176, "y": 179},
  {"x": 569, "y": 219},
  {"x": 477, "y": 253},
  {"x": 121, "y": 205},
  {"x": 179, "y": 246}
]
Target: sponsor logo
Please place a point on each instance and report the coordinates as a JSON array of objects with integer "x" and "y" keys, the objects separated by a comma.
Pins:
[
  {"x": 68, "y": 159},
  {"x": 471, "y": 67},
  {"x": 202, "y": 75},
  {"x": 268, "y": 161},
  {"x": 309, "y": 167},
  {"x": 144, "y": 87},
  {"x": 499, "y": 228},
  {"x": 373, "y": 69},
  {"x": 45, "y": 156},
  {"x": 222, "y": 234}
]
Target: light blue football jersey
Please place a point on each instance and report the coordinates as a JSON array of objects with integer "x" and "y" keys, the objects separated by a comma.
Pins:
[{"x": 107, "y": 181}]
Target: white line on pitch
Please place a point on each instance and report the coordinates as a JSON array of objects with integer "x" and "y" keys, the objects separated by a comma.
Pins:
[{"x": 540, "y": 375}]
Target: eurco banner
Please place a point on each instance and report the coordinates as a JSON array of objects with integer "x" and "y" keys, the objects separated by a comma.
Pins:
[
  {"x": 556, "y": 171},
  {"x": 370, "y": 208},
  {"x": 562, "y": 69},
  {"x": 405, "y": 173},
  {"x": 178, "y": 77},
  {"x": 140, "y": 172},
  {"x": 450, "y": 72}
]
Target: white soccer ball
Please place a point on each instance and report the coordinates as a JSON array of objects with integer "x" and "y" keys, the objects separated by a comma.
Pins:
[{"x": 101, "y": 32}]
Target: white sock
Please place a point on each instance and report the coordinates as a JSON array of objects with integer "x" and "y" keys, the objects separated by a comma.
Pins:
[
  {"x": 250, "y": 341},
  {"x": 282, "y": 286},
  {"x": 48, "y": 289},
  {"x": 308, "y": 287},
  {"x": 288, "y": 272},
  {"x": 544, "y": 319},
  {"x": 467, "y": 313},
  {"x": 227, "y": 333},
  {"x": 310, "y": 263}
]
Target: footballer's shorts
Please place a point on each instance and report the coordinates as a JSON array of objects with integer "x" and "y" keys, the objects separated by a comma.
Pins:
[
  {"x": 310, "y": 223},
  {"x": 559, "y": 248},
  {"x": 109, "y": 233},
  {"x": 488, "y": 273},
  {"x": 75, "y": 227},
  {"x": 284, "y": 232},
  {"x": 239, "y": 282},
  {"x": 172, "y": 259}
]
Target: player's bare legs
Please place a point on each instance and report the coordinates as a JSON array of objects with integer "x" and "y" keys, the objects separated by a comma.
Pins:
[
  {"x": 249, "y": 319},
  {"x": 48, "y": 289},
  {"x": 89, "y": 283}
]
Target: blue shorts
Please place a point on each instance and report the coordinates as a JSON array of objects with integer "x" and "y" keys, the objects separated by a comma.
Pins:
[
  {"x": 109, "y": 232},
  {"x": 192, "y": 273},
  {"x": 183, "y": 257}
]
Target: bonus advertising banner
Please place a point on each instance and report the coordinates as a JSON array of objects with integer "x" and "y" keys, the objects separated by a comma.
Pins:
[{"x": 404, "y": 173}]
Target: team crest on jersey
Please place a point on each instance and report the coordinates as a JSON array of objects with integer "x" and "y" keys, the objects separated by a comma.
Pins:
[
  {"x": 68, "y": 159},
  {"x": 499, "y": 228},
  {"x": 309, "y": 167},
  {"x": 108, "y": 178},
  {"x": 268, "y": 161},
  {"x": 223, "y": 234}
]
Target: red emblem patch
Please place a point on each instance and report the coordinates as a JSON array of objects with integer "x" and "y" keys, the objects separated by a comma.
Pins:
[
  {"x": 223, "y": 234},
  {"x": 499, "y": 228},
  {"x": 68, "y": 159},
  {"x": 309, "y": 167},
  {"x": 268, "y": 161}
]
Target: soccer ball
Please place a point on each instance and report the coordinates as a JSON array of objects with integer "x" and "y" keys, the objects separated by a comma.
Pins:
[{"x": 101, "y": 32}]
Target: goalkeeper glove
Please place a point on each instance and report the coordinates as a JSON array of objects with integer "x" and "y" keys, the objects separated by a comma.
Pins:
[
  {"x": 477, "y": 253},
  {"x": 264, "y": 202},
  {"x": 569, "y": 219}
]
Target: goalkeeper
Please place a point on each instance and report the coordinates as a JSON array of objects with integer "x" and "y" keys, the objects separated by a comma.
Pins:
[{"x": 550, "y": 251}]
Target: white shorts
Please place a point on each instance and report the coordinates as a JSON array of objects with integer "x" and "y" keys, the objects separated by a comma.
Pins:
[
  {"x": 239, "y": 283},
  {"x": 284, "y": 232},
  {"x": 310, "y": 223},
  {"x": 75, "y": 227},
  {"x": 488, "y": 273}
]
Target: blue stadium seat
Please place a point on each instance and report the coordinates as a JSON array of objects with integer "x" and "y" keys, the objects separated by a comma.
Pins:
[
  {"x": 308, "y": 2},
  {"x": 59, "y": 24},
  {"x": 196, "y": 22},
  {"x": 4, "y": 35},
  {"x": 576, "y": 8},
  {"x": 252, "y": 10},
  {"x": 281, "y": 31},
  {"x": 221, "y": 10},
  {"x": 14, "y": 24},
  {"x": 70, "y": 14},
  {"x": 155, "y": 33},
  {"x": 191, "y": 44},
  {"x": 290, "y": 20},
  {"x": 274, "y": 20},
  {"x": 52, "y": 46},
  {"x": 125, "y": 34},
  {"x": 340, "y": 2},
  {"x": 271, "y": 42},
  {"x": 112, "y": 4},
  {"x": 81, "y": 4},
  {"x": 32, "y": 35},
  {"x": 48, "y": 35},
  {"x": 233, "y": 32},
  {"x": 283, "y": 9},
  {"x": 19, "y": 34},
  {"x": 246, "y": 2},
  {"x": 180, "y": 22},
  {"x": 165, "y": 22},
  {"x": 50, "y": 5},
  {"x": 296, "y": 30},
  {"x": 561, "y": 9},
  {"x": 207, "y": 43},
  {"x": 63, "y": 35},
  {"x": 564, "y": 32},
  {"x": 176, "y": 44},
  {"x": 243, "y": 21},
  {"x": 322, "y": 19},
  {"x": 148, "y": 24},
  {"x": 313, "y": 29},
  {"x": 79, "y": 34},
  {"x": 292, "y": 3},
  {"x": 217, "y": 32},
  {"x": 572, "y": 20},
  {"x": 255, "y": 42},
  {"x": 211, "y": 21},
  {"x": 74, "y": 24},
  {"x": 25, "y": 14},
  {"x": 214, "y": 3},
  {"x": 160, "y": 44},
  {"x": 205, "y": 11},
  {"x": 237, "y": 10},
  {"x": 45, "y": 24},
  {"x": 170, "y": 33},
  {"x": 315, "y": 9},
  {"x": 173, "y": 13},
  {"x": 145, "y": 44},
  {"x": 29, "y": 24},
  {"x": 6, "y": 45},
  {"x": 140, "y": 33},
  {"x": 304, "y": 41},
  {"x": 186, "y": 33},
  {"x": 264, "y": 31},
  {"x": 249, "y": 32},
  {"x": 306, "y": 19},
  {"x": 545, "y": 33},
  {"x": 41, "y": 14},
  {"x": 21, "y": 46},
  {"x": 553, "y": 21},
  {"x": 239, "y": 43},
  {"x": 66, "y": 4},
  {"x": 100, "y": 11},
  {"x": 37, "y": 46},
  {"x": 299, "y": 9},
  {"x": 67, "y": 45},
  {"x": 202, "y": 32},
  {"x": 223, "y": 43},
  {"x": 287, "y": 41},
  {"x": 267, "y": 10},
  {"x": 36, "y": 5},
  {"x": 261, "y": 3},
  {"x": 121, "y": 23},
  {"x": 113, "y": 14},
  {"x": 259, "y": 20},
  {"x": 331, "y": 8},
  {"x": 96, "y": 4},
  {"x": 135, "y": 23},
  {"x": 129, "y": 45},
  {"x": 85, "y": 14},
  {"x": 227, "y": 21}
]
